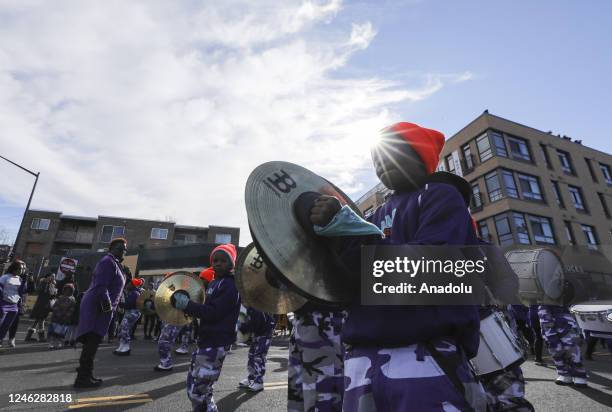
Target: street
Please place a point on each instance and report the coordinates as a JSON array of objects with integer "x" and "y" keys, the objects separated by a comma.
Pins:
[{"x": 131, "y": 384}]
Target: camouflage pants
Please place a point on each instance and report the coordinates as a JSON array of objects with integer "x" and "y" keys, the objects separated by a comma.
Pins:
[
  {"x": 315, "y": 370},
  {"x": 258, "y": 352},
  {"x": 204, "y": 371},
  {"x": 167, "y": 336},
  {"x": 408, "y": 378},
  {"x": 129, "y": 320},
  {"x": 560, "y": 333},
  {"x": 506, "y": 392}
]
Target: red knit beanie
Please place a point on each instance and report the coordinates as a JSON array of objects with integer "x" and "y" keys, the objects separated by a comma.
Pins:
[
  {"x": 208, "y": 274},
  {"x": 137, "y": 282},
  {"x": 227, "y": 248},
  {"x": 427, "y": 143}
]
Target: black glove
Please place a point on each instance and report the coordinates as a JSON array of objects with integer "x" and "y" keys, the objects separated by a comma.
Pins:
[{"x": 106, "y": 306}]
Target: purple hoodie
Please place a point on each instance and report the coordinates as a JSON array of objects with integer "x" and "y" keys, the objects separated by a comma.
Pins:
[
  {"x": 432, "y": 215},
  {"x": 218, "y": 314}
]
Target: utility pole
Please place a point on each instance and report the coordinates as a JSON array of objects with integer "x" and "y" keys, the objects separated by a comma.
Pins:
[{"x": 36, "y": 175}]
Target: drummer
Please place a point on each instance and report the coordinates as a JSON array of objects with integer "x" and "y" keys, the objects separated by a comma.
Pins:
[
  {"x": 430, "y": 372},
  {"x": 560, "y": 332},
  {"x": 217, "y": 330},
  {"x": 131, "y": 316}
]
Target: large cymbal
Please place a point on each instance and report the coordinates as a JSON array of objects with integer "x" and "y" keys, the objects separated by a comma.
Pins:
[
  {"x": 305, "y": 264},
  {"x": 143, "y": 298},
  {"x": 260, "y": 286},
  {"x": 178, "y": 282}
]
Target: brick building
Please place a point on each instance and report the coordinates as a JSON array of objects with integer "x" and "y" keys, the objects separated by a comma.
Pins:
[
  {"x": 529, "y": 187},
  {"x": 46, "y": 236}
]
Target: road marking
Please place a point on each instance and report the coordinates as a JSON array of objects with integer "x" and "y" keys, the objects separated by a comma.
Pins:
[
  {"x": 275, "y": 385},
  {"x": 110, "y": 398},
  {"x": 100, "y": 401},
  {"x": 101, "y": 404}
]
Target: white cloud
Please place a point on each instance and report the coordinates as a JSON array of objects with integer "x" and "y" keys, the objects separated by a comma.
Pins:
[{"x": 149, "y": 109}]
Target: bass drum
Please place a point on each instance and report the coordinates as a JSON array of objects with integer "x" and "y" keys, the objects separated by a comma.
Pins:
[
  {"x": 540, "y": 273},
  {"x": 500, "y": 349},
  {"x": 594, "y": 317}
]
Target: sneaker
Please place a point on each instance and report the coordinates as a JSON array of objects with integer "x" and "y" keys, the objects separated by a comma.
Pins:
[
  {"x": 255, "y": 387},
  {"x": 580, "y": 382},
  {"x": 86, "y": 382},
  {"x": 540, "y": 362},
  {"x": 122, "y": 353},
  {"x": 12, "y": 343},
  {"x": 182, "y": 351},
  {"x": 245, "y": 383},
  {"x": 160, "y": 368},
  {"x": 564, "y": 380}
]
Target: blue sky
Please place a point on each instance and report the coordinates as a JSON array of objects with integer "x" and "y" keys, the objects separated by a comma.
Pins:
[
  {"x": 546, "y": 64},
  {"x": 135, "y": 109}
]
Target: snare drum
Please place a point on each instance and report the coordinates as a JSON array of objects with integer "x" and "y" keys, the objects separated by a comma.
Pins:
[
  {"x": 594, "y": 317},
  {"x": 499, "y": 348},
  {"x": 540, "y": 273}
]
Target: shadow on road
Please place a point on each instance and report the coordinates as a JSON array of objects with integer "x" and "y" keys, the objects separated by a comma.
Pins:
[
  {"x": 232, "y": 401},
  {"x": 283, "y": 362}
]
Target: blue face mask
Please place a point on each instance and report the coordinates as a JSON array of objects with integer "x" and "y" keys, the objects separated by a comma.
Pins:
[{"x": 347, "y": 223}]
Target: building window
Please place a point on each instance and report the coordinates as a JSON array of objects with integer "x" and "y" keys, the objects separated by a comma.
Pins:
[
  {"x": 518, "y": 149},
  {"x": 541, "y": 229},
  {"x": 223, "y": 238},
  {"x": 576, "y": 195},
  {"x": 605, "y": 170},
  {"x": 484, "y": 147},
  {"x": 569, "y": 232},
  {"x": 566, "y": 162},
  {"x": 110, "y": 232},
  {"x": 500, "y": 146},
  {"x": 509, "y": 183},
  {"x": 185, "y": 238},
  {"x": 557, "y": 192},
  {"x": 467, "y": 156},
  {"x": 591, "y": 237},
  {"x": 483, "y": 229},
  {"x": 522, "y": 234},
  {"x": 545, "y": 156},
  {"x": 368, "y": 212},
  {"x": 591, "y": 171},
  {"x": 159, "y": 233},
  {"x": 504, "y": 233},
  {"x": 40, "y": 224},
  {"x": 604, "y": 204},
  {"x": 493, "y": 187},
  {"x": 450, "y": 164},
  {"x": 530, "y": 187},
  {"x": 476, "y": 197}
]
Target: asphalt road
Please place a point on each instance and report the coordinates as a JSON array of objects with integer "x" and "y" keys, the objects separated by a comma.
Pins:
[{"x": 131, "y": 384}]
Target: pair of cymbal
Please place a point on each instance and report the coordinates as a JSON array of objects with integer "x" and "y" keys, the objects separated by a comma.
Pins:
[
  {"x": 180, "y": 282},
  {"x": 297, "y": 262}
]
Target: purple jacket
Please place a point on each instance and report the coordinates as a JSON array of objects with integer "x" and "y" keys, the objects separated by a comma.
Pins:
[
  {"x": 219, "y": 313},
  {"x": 259, "y": 323},
  {"x": 106, "y": 285},
  {"x": 433, "y": 215}
]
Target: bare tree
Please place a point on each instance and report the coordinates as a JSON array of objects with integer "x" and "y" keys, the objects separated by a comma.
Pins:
[{"x": 5, "y": 236}]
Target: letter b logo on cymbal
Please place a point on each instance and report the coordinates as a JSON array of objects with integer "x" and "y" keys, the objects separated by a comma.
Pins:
[{"x": 283, "y": 182}]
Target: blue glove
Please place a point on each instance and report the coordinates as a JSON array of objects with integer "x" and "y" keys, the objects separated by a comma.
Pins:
[
  {"x": 347, "y": 223},
  {"x": 180, "y": 301}
]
